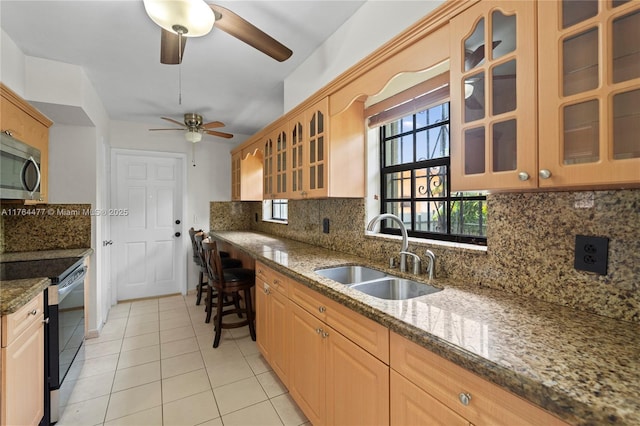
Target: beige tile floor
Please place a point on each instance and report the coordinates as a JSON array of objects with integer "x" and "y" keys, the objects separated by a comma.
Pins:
[{"x": 154, "y": 364}]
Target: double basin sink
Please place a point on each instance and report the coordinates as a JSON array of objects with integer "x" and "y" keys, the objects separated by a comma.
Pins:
[{"x": 376, "y": 283}]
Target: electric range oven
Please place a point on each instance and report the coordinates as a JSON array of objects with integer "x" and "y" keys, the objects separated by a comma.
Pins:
[{"x": 64, "y": 306}]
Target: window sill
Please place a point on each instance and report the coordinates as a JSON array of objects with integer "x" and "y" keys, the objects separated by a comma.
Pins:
[
  {"x": 279, "y": 222},
  {"x": 430, "y": 243}
]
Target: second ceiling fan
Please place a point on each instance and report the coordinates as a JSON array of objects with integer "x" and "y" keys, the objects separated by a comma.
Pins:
[{"x": 181, "y": 19}]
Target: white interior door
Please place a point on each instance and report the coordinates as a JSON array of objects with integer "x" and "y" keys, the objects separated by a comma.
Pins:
[{"x": 147, "y": 223}]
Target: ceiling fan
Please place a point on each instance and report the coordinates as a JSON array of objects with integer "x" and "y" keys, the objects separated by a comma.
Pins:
[
  {"x": 180, "y": 19},
  {"x": 194, "y": 127},
  {"x": 474, "y": 86}
]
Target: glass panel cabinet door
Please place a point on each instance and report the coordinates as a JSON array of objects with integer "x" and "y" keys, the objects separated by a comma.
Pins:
[
  {"x": 281, "y": 160},
  {"x": 268, "y": 169},
  {"x": 235, "y": 177},
  {"x": 493, "y": 97},
  {"x": 589, "y": 93},
  {"x": 317, "y": 123},
  {"x": 296, "y": 131}
]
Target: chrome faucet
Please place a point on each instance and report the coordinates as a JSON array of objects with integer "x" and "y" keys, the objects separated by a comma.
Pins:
[
  {"x": 403, "y": 230},
  {"x": 432, "y": 263}
]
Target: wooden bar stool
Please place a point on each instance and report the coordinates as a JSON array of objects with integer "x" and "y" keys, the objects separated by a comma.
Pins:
[
  {"x": 228, "y": 262},
  {"x": 229, "y": 282},
  {"x": 198, "y": 260}
]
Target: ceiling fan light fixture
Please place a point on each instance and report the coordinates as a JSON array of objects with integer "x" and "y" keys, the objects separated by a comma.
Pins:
[
  {"x": 468, "y": 90},
  {"x": 193, "y": 136},
  {"x": 191, "y": 18}
]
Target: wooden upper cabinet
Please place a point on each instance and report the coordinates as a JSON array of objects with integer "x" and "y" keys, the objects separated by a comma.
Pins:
[
  {"x": 246, "y": 175},
  {"x": 493, "y": 97},
  {"x": 589, "y": 93},
  {"x": 276, "y": 159},
  {"x": 28, "y": 125},
  {"x": 327, "y": 153}
]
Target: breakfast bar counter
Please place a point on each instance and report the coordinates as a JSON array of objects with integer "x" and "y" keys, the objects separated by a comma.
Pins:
[{"x": 583, "y": 368}]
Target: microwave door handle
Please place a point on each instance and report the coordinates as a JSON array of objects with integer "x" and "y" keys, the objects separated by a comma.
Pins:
[{"x": 24, "y": 172}]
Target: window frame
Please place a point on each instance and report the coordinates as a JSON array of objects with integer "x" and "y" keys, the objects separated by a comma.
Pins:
[{"x": 448, "y": 199}]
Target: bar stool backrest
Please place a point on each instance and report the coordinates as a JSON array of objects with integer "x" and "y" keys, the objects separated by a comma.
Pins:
[{"x": 196, "y": 252}]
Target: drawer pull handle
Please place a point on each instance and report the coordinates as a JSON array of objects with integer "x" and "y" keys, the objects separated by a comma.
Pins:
[
  {"x": 465, "y": 398},
  {"x": 322, "y": 309},
  {"x": 34, "y": 312}
]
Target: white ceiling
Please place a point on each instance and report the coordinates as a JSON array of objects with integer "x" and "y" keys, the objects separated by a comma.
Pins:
[{"x": 223, "y": 79}]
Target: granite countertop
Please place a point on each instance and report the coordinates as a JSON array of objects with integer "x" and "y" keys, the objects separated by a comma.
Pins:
[
  {"x": 582, "y": 367},
  {"x": 15, "y": 293}
]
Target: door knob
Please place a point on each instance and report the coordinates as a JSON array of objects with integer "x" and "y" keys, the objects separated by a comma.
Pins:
[
  {"x": 177, "y": 234},
  {"x": 178, "y": 222}
]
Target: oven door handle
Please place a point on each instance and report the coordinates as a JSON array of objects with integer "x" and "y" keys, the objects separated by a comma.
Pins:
[{"x": 78, "y": 277}]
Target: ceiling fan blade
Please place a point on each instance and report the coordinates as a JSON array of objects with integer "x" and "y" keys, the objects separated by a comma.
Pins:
[
  {"x": 241, "y": 29},
  {"x": 171, "y": 120},
  {"x": 169, "y": 53},
  {"x": 213, "y": 124},
  {"x": 219, "y": 134},
  {"x": 173, "y": 128}
]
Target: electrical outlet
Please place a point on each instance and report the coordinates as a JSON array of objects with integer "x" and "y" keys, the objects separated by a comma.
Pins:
[
  {"x": 591, "y": 254},
  {"x": 325, "y": 225}
]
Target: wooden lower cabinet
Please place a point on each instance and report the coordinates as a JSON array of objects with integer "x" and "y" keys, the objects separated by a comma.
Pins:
[
  {"x": 272, "y": 320},
  {"x": 410, "y": 405},
  {"x": 448, "y": 384},
  {"x": 357, "y": 384},
  {"x": 307, "y": 379},
  {"x": 22, "y": 395}
]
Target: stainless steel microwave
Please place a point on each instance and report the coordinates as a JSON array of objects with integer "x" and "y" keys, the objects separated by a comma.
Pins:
[{"x": 19, "y": 169}]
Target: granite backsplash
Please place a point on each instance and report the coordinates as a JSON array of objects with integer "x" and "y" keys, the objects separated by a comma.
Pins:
[
  {"x": 530, "y": 250},
  {"x": 44, "y": 227}
]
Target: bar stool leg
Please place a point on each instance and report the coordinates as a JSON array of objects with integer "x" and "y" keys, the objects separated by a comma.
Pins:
[
  {"x": 248, "y": 305},
  {"x": 200, "y": 282},
  {"x": 218, "y": 321}
]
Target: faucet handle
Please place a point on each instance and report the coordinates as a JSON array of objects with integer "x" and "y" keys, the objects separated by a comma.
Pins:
[{"x": 416, "y": 261}]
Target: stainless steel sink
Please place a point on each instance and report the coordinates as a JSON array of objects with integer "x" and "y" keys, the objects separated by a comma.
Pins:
[
  {"x": 351, "y": 274},
  {"x": 376, "y": 283},
  {"x": 392, "y": 288}
]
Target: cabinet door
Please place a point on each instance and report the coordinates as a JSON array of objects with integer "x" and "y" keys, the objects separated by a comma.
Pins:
[
  {"x": 23, "y": 378},
  {"x": 317, "y": 122},
  {"x": 279, "y": 335},
  {"x": 307, "y": 369},
  {"x": 357, "y": 384},
  {"x": 262, "y": 319},
  {"x": 493, "y": 97},
  {"x": 268, "y": 188},
  {"x": 281, "y": 155},
  {"x": 410, "y": 405},
  {"x": 589, "y": 67},
  {"x": 297, "y": 131}
]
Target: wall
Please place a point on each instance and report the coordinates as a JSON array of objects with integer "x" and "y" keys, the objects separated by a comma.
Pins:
[
  {"x": 531, "y": 239},
  {"x": 373, "y": 24}
]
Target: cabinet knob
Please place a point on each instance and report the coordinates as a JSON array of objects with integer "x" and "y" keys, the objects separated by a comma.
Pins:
[
  {"x": 45, "y": 321},
  {"x": 523, "y": 176},
  {"x": 465, "y": 398},
  {"x": 544, "y": 174},
  {"x": 34, "y": 312},
  {"x": 319, "y": 330},
  {"x": 325, "y": 334},
  {"x": 322, "y": 309}
]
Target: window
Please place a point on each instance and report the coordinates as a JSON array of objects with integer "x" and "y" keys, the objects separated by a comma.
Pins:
[
  {"x": 415, "y": 180},
  {"x": 275, "y": 210}
]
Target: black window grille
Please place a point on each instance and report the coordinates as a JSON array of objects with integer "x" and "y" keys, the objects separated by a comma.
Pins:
[{"x": 415, "y": 181}]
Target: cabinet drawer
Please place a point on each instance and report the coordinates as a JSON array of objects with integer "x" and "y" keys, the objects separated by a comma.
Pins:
[
  {"x": 311, "y": 301},
  {"x": 366, "y": 333},
  {"x": 276, "y": 280},
  {"x": 16, "y": 323},
  {"x": 445, "y": 381}
]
